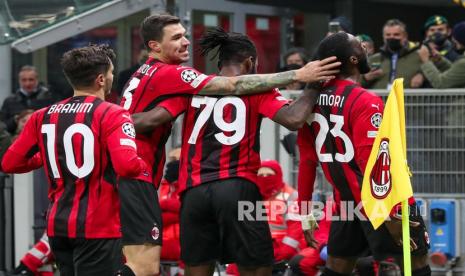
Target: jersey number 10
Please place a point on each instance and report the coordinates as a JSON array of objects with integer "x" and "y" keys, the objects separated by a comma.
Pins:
[{"x": 88, "y": 150}]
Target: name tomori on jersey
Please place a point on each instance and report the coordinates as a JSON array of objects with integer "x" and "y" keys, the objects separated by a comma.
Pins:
[
  {"x": 330, "y": 100},
  {"x": 71, "y": 108}
]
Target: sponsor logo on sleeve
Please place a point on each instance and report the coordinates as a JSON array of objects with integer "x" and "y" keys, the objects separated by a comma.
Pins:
[
  {"x": 198, "y": 80},
  {"x": 188, "y": 75},
  {"x": 127, "y": 142},
  {"x": 376, "y": 119},
  {"x": 372, "y": 133},
  {"x": 129, "y": 130}
]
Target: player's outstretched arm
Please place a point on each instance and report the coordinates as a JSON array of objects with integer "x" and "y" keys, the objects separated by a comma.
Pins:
[
  {"x": 251, "y": 84},
  {"x": 23, "y": 155},
  {"x": 149, "y": 120},
  {"x": 305, "y": 183},
  {"x": 293, "y": 116}
]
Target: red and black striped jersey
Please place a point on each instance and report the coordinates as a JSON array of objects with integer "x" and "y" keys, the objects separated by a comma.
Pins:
[
  {"x": 151, "y": 84},
  {"x": 83, "y": 143},
  {"x": 221, "y": 137},
  {"x": 339, "y": 135}
]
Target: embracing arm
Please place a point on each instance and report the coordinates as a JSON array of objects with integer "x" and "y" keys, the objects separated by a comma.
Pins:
[
  {"x": 293, "y": 116},
  {"x": 251, "y": 84},
  {"x": 149, "y": 120}
]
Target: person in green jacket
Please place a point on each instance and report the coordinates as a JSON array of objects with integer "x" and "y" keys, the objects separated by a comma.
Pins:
[
  {"x": 397, "y": 58},
  {"x": 440, "y": 72}
]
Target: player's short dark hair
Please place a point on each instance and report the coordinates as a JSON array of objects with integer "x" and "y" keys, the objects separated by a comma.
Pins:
[
  {"x": 232, "y": 47},
  {"x": 337, "y": 44},
  {"x": 82, "y": 65},
  {"x": 152, "y": 27}
]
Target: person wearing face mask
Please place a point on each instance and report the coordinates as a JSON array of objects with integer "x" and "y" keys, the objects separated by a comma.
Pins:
[
  {"x": 397, "y": 58},
  {"x": 437, "y": 36},
  {"x": 286, "y": 232},
  {"x": 437, "y": 33},
  {"x": 440, "y": 72}
]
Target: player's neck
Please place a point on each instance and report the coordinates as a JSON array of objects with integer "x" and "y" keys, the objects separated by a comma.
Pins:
[
  {"x": 160, "y": 58},
  {"x": 230, "y": 71},
  {"x": 354, "y": 77},
  {"x": 99, "y": 94}
]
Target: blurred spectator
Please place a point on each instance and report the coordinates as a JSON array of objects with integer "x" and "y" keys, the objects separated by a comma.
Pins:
[
  {"x": 280, "y": 202},
  {"x": 21, "y": 120},
  {"x": 368, "y": 43},
  {"x": 126, "y": 74},
  {"x": 437, "y": 36},
  {"x": 437, "y": 33},
  {"x": 30, "y": 95},
  {"x": 5, "y": 139},
  {"x": 397, "y": 58},
  {"x": 294, "y": 59},
  {"x": 441, "y": 73},
  {"x": 295, "y": 56},
  {"x": 170, "y": 205},
  {"x": 339, "y": 24},
  {"x": 286, "y": 230}
]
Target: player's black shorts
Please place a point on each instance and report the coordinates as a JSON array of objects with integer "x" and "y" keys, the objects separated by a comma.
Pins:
[
  {"x": 351, "y": 238},
  {"x": 90, "y": 257},
  {"x": 141, "y": 221},
  {"x": 213, "y": 229}
]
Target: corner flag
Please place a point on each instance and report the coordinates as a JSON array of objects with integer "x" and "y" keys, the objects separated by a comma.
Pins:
[{"x": 387, "y": 179}]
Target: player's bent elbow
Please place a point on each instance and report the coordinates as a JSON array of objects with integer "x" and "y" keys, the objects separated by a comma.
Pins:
[{"x": 293, "y": 124}]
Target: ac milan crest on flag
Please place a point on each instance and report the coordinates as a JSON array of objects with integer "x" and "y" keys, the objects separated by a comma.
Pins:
[{"x": 380, "y": 177}]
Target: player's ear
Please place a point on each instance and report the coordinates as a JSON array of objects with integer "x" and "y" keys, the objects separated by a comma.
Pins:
[
  {"x": 249, "y": 65},
  {"x": 155, "y": 46},
  {"x": 353, "y": 60},
  {"x": 100, "y": 80}
]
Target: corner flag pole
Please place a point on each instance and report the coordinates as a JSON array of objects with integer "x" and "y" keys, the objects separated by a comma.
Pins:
[{"x": 406, "y": 238}]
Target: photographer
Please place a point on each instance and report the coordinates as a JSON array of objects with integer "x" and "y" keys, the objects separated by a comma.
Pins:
[{"x": 441, "y": 73}]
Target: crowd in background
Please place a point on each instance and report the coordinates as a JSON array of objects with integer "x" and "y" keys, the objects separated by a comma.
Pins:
[{"x": 435, "y": 62}]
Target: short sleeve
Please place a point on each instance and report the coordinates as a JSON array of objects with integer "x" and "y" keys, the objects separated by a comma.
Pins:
[
  {"x": 175, "y": 105},
  {"x": 271, "y": 103},
  {"x": 180, "y": 80}
]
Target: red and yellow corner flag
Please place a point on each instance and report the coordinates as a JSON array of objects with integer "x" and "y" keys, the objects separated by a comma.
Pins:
[{"x": 387, "y": 178}]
